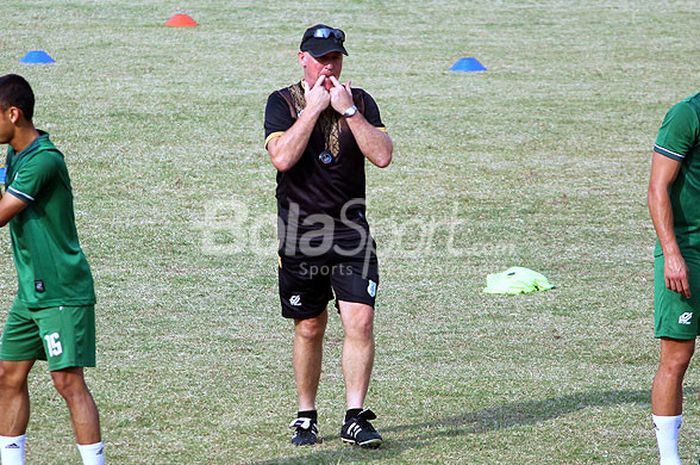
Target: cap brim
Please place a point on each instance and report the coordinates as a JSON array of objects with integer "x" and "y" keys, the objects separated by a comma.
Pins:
[{"x": 319, "y": 47}]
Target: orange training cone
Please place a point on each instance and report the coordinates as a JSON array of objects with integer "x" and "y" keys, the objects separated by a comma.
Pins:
[{"x": 181, "y": 20}]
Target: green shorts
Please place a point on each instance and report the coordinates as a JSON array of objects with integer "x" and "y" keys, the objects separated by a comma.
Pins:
[
  {"x": 676, "y": 317},
  {"x": 65, "y": 336}
]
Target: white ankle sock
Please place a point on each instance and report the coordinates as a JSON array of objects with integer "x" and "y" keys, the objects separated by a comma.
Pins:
[
  {"x": 667, "y": 438},
  {"x": 12, "y": 449},
  {"x": 92, "y": 454}
]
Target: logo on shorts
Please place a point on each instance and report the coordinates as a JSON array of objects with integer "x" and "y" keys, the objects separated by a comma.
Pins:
[
  {"x": 372, "y": 288},
  {"x": 295, "y": 300},
  {"x": 39, "y": 286},
  {"x": 685, "y": 318}
]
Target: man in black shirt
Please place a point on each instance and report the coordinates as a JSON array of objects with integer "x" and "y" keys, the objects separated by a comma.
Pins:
[{"x": 318, "y": 133}]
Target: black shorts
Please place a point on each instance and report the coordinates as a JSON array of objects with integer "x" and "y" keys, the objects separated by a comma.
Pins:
[{"x": 307, "y": 282}]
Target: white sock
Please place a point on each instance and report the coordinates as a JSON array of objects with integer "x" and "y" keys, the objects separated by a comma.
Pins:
[
  {"x": 667, "y": 438},
  {"x": 92, "y": 454},
  {"x": 12, "y": 449}
]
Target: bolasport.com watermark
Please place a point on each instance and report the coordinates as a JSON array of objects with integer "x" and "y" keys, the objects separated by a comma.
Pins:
[{"x": 232, "y": 226}]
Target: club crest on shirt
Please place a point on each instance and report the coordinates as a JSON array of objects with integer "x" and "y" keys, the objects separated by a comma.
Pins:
[{"x": 326, "y": 157}]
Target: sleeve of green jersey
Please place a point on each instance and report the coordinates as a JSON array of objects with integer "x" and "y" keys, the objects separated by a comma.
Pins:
[
  {"x": 679, "y": 132},
  {"x": 33, "y": 176}
]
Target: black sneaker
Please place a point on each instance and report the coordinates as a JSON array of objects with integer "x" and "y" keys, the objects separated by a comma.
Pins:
[
  {"x": 358, "y": 430},
  {"x": 305, "y": 431}
]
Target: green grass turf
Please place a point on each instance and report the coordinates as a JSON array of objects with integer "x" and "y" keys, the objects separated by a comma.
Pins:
[{"x": 543, "y": 162}]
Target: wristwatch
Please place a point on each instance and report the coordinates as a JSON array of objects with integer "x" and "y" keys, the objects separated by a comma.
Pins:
[{"x": 350, "y": 112}]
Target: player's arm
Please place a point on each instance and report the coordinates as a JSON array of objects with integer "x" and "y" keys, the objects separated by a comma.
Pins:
[
  {"x": 31, "y": 179},
  {"x": 375, "y": 144},
  {"x": 286, "y": 149},
  {"x": 9, "y": 207},
  {"x": 663, "y": 172}
]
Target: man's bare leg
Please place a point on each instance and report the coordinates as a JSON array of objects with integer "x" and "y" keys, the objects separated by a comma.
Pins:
[
  {"x": 14, "y": 397},
  {"x": 14, "y": 410},
  {"x": 667, "y": 396},
  {"x": 70, "y": 383},
  {"x": 358, "y": 351},
  {"x": 307, "y": 358}
]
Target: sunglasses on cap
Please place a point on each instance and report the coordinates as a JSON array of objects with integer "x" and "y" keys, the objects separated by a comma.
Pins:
[{"x": 327, "y": 32}]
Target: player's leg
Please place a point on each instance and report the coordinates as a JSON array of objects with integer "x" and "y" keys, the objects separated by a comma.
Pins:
[
  {"x": 70, "y": 384},
  {"x": 667, "y": 396},
  {"x": 358, "y": 360},
  {"x": 305, "y": 290},
  {"x": 355, "y": 278},
  {"x": 307, "y": 358},
  {"x": 667, "y": 388},
  {"x": 20, "y": 347},
  {"x": 14, "y": 397},
  {"x": 358, "y": 350},
  {"x": 14, "y": 410},
  {"x": 68, "y": 334},
  {"x": 676, "y": 325}
]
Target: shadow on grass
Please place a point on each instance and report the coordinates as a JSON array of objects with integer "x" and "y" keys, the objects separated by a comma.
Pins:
[
  {"x": 523, "y": 413},
  {"x": 480, "y": 421}
]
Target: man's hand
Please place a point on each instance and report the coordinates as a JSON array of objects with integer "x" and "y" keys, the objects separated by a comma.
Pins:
[
  {"x": 317, "y": 97},
  {"x": 676, "y": 274},
  {"x": 341, "y": 95}
]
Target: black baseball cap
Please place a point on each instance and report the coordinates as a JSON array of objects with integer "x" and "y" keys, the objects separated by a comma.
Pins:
[{"x": 320, "y": 40}]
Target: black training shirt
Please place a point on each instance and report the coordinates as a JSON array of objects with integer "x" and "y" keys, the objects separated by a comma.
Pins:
[{"x": 330, "y": 172}]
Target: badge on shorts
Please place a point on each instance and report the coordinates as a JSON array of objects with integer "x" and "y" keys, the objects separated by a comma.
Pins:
[
  {"x": 39, "y": 286},
  {"x": 372, "y": 288}
]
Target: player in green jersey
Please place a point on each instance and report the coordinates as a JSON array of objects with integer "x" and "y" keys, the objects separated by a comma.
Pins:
[
  {"x": 53, "y": 316},
  {"x": 674, "y": 205}
]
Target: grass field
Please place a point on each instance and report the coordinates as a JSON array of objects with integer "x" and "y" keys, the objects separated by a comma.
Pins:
[{"x": 540, "y": 162}]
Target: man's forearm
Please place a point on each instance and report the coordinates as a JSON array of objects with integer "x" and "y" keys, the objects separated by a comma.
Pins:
[
  {"x": 662, "y": 216},
  {"x": 376, "y": 145},
  {"x": 286, "y": 150}
]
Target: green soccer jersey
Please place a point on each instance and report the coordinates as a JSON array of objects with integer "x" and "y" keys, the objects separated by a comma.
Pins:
[
  {"x": 679, "y": 139},
  {"x": 51, "y": 267}
]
